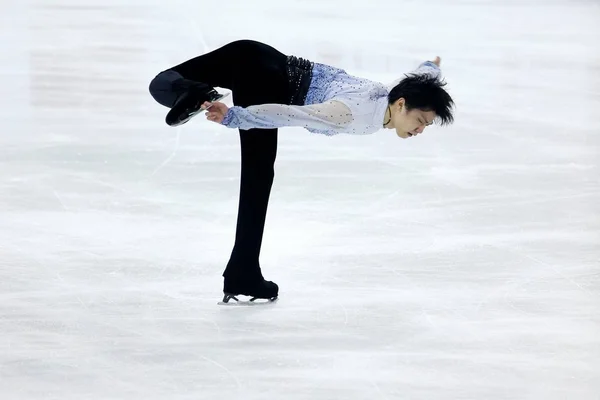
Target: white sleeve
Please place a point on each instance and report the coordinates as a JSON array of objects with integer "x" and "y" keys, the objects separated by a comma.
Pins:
[{"x": 329, "y": 115}]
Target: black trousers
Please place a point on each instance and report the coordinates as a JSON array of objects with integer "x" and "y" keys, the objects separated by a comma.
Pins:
[{"x": 256, "y": 74}]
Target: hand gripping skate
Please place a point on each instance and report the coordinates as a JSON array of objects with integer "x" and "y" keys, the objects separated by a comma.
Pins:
[{"x": 190, "y": 103}]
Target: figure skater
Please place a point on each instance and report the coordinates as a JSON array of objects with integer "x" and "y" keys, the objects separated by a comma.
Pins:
[{"x": 272, "y": 90}]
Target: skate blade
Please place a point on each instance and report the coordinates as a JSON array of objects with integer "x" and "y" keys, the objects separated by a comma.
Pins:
[
  {"x": 221, "y": 97},
  {"x": 233, "y": 300}
]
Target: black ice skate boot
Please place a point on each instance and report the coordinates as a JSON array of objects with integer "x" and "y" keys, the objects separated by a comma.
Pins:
[
  {"x": 257, "y": 289},
  {"x": 190, "y": 103}
]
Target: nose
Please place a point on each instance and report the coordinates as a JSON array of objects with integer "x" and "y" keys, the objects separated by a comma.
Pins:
[{"x": 420, "y": 129}]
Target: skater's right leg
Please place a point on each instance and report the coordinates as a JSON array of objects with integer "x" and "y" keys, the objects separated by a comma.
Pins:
[
  {"x": 264, "y": 81},
  {"x": 243, "y": 273}
]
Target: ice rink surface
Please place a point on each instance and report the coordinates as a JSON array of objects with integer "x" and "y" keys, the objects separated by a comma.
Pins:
[{"x": 461, "y": 264}]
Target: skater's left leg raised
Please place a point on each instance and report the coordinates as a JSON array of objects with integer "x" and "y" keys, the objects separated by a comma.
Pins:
[{"x": 186, "y": 86}]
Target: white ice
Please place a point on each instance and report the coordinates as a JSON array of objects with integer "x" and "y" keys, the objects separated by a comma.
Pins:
[{"x": 461, "y": 264}]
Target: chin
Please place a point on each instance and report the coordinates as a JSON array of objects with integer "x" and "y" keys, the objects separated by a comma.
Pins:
[{"x": 402, "y": 135}]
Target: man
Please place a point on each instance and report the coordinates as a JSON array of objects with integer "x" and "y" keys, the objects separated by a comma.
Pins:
[{"x": 271, "y": 90}]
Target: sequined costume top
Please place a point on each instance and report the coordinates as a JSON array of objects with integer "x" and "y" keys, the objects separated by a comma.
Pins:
[{"x": 336, "y": 103}]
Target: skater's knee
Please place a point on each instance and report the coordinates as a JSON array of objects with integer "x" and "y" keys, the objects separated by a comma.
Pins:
[
  {"x": 161, "y": 87},
  {"x": 155, "y": 86}
]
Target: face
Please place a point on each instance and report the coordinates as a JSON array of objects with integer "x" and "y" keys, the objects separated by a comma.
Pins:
[{"x": 409, "y": 123}]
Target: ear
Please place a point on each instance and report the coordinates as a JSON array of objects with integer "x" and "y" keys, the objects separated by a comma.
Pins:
[{"x": 399, "y": 104}]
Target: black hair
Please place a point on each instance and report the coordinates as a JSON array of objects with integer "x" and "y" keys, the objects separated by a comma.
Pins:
[{"x": 424, "y": 92}]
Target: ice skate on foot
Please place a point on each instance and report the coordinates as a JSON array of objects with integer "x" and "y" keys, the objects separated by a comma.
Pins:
[
  {"x": 264, "y": 290},
  {"x": 190, "y": 104}
]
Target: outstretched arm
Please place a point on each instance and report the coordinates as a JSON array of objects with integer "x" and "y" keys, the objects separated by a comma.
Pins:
[{"x": 328, "y": 115}]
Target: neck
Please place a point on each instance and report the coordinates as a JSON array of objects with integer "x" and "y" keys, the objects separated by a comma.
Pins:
[{"x": 387, "y": 118}]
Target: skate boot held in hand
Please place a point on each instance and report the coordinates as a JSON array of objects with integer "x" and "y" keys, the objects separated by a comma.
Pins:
[{"x": 190, "y": 103}]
